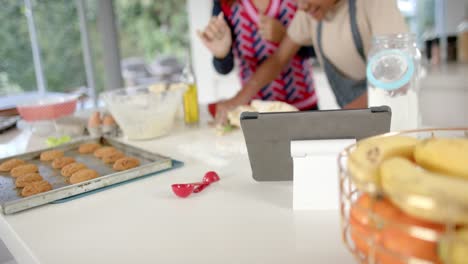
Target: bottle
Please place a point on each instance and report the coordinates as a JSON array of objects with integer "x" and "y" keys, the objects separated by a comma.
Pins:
[
  {"x": 392, "y": 70},
  {"x": 190, "y": 98},
  {"x": 462, "y": 42}
]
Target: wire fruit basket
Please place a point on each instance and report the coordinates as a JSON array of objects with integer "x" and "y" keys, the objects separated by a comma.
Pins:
[{"x": 377, "y": 229}]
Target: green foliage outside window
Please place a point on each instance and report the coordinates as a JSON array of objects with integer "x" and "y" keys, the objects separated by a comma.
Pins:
[
  {"x": 147, "y": 29},
  {"x": 151, "y": 28},
  {"x": 16, "y": 64}
]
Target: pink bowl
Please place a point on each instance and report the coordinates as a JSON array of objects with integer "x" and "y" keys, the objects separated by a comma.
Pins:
[{"x": 48, "y": 108}]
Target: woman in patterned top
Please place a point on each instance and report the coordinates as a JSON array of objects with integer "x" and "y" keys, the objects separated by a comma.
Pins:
[{"x": 250, "y": 31}]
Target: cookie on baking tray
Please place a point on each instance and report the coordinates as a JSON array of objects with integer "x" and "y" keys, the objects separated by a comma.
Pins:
[
  {"x": 28, "y": 178},
  {"x": 104, "y": 151},
  {"x": 61, "y": 162},
  {"x": 113, "y": 157},
  {"x": 23, "y": 169},
  {"x": 10, "y": 164},
  {"x": 88, "y": 148},
  {"x": 35, "y": 188},
  {"x": 126, "y": 163},
  {"x": 83, "y": 175},
  {"x": 51, "y": 155},
  {"x": 71, "y": 168}
]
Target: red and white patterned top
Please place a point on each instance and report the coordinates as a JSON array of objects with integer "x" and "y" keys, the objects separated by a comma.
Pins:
[{"x": 295, "y": 83}]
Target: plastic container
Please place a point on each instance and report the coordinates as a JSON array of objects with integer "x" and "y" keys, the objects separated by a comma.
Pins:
[
  {"x": 392, "y": 74},
  {"x": 142, "y": 113},
  {"x": 49, "y": 107},
  {"x": 373, "y": 233}
]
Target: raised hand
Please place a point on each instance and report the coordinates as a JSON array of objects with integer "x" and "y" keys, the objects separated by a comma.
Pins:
[{"x": 217, "y": 36}]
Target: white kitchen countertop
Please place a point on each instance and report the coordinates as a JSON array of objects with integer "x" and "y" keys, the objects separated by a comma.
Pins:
[{"x": 236, "y": 220}]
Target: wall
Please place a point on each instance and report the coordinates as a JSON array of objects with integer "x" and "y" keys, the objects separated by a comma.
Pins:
[
  {"x": 455, "y": 12},
  {"x": 211, "y": 86}
]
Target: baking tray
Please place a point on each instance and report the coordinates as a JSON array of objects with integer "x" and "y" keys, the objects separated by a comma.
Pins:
[{"x": 11, "y": 201}]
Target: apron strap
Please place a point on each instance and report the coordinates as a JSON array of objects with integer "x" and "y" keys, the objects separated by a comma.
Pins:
[
  {"x": 344, "y": 88},
  {"x": 355, "y": 29}
]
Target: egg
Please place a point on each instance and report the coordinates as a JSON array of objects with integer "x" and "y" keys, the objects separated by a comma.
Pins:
[
  {"x": 94, "y": 120},
  {"x": 108, "y": 120}
]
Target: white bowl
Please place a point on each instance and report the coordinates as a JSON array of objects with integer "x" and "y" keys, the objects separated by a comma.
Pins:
[{"x": 141, "y": 113}]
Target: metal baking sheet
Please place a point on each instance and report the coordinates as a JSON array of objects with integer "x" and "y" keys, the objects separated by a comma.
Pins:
[{"x": 11, "y": 201}]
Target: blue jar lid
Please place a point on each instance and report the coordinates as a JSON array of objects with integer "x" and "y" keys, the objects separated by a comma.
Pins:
[{"x": 397, "y": 54}]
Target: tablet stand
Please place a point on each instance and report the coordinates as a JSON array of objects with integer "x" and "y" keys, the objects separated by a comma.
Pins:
[{"x": 315, "y": 168}]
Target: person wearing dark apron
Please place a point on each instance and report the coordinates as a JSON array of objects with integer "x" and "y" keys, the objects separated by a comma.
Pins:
[
  {"x": 342, "y": 32},
  {"x": 344, "y": 88}
]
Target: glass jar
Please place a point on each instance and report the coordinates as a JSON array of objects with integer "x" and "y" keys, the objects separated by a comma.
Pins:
[{"x": 392, "y": 74}]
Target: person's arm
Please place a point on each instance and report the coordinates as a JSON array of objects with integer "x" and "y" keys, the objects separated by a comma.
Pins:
[
  {"x": 299, "y": 34},
  {"x": 226, "y": 64},
  {"x": 269, "y": 70},
  {"x": 358, "y": 103}
]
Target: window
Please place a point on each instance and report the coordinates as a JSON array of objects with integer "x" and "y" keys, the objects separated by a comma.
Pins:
[
  {"x": 59, "y": 39},
  {"x": 58, "y": 42},
  {"x": 147, "y": 30},
  {"x": 16, "y": 61},
  {"x": 152, "y": 28},
  {"x": 152, "y": 33}
]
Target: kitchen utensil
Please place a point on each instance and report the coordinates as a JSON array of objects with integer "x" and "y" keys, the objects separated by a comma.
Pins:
[
  {"x": 11, "y": 202},
  {"x": 209, "y": 178},
  {"x": 141, "y": 113},
  {"x": 185, "y": 189}
]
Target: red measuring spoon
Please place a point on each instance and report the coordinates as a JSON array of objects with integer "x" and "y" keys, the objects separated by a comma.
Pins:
[
  {"x": 208, "y": 179},
  {"x": 185, "y": 189}
]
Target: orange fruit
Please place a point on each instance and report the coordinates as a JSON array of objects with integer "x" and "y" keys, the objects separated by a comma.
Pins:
[
  {"x": 404, "y": 245},
  {"x": 379, "y": 220},
  {"x": 362, "y": 235},
  {"x": 366, "y": 218}
]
